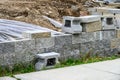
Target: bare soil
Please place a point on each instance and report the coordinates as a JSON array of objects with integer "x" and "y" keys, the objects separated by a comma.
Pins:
[{"x": 31, "y": 11}]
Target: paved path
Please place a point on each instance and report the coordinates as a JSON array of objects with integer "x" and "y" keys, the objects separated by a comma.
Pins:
[
  {"x": 7, "y": 78},
  {"x": 106, "y": 70}
]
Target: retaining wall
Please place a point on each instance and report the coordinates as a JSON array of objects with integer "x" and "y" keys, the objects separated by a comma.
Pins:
[{"x": 102, "y": 43}]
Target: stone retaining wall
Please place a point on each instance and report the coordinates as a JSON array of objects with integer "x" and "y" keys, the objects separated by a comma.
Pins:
[{"x": 101, "y": 43}]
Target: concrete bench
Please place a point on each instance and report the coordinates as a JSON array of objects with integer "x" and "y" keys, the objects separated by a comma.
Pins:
[{"x": 46, "y": 60}]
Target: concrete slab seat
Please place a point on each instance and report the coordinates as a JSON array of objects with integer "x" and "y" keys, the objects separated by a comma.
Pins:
[{"x": 46, "y": 60}]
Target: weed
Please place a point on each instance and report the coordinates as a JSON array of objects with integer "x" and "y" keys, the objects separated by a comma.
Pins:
[{"x": 22, "y": 68}]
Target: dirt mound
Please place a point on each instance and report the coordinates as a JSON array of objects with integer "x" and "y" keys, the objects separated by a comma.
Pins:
[{"x": 31, "y": 11}]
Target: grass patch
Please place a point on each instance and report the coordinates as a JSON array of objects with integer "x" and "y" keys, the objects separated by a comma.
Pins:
[
  {"x": 84, "y": 60},
  {"x": 22, "y": 68},
  {"x": 16, "y": 69}
]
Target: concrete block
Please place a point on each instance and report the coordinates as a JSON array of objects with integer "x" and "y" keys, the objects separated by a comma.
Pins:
[
  {"x": 88, "y": 19},
  {"x": 62, "y": 40},
  {"x": 25, "y": 50},
  {"x": 102, "y": 10},
  {"x": 36, "y": 34},
  {"x": 98, "y": 35},
  {"x": 92, "y": 26},
  {"x": 83, "y": 37},
  {"x": 9, "y": 59},
  {"x": 7, "y": 47},
  {"x": 75, "y": 51},
  {"x": 65, "y": 52},
  {"x": 93, "y": 11},
  {"x": 108, "y": 10},
  {"x": 108, "y": 34},
  {"x": 23, "y": 45},
  {"x": 44, "y": 43},
  {"x": 1, "y": 48},
  {"x": 50, "y": 49},
  {"x": 1, "y": 59},
  {"x": 102, "y": 44},
  {"x": 94, "y": 47},
  {"x": 87, "y": 47},
  {"x": 115, "y": 43},
  {"x": 118, "y": 33},
  {"x": 111, "y": 52},
  {"x": 86, "y": 37}
]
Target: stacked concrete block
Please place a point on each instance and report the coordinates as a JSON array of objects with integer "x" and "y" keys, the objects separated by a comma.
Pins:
[
  {"x": 1, "y": 48},
  {"x": 63, "y": 44},
  {"x": 115, "y": 43},
  {"x": 111, "y": 52},
  {"x": 87, "y": 48},
  {"x": 75, "y": 51},
  {"x": 108, "y": 10},
  {"x": 108, "y": 34},
  {"x": 87, "y": 37},
  {"x": 91, "y": 23},
  {"x": 36, "y": 34},
  {"x": 7, "y": 53},
  {"x": 1, "y": 60},
  {"x": 95, "y": 47},
  {"x": 25, "y": 50},
  {"x": 7, "y": 47},
  {"x": 41, "y": 43},
  {"x": 118, "y": 33},
  {"x": 93, "y": 11}
]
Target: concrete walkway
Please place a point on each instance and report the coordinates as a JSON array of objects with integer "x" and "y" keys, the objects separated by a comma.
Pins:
[{"x": 106, "y": 70}]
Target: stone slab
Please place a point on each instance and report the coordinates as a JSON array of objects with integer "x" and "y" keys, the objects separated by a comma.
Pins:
[
  {"x": 7, "y": 78},
  {"x": 95, "y": 71},
  {"x": 92, "y": 26},
  {"x": 44, "y": 43},
  {"x": 108, "y": 34},
  {"x": 95, "y": 47},
  {"x": 88, "y": 19},
  {"x": 25, "y": 50},
  {"x": 115, "y": 43},
  {"x": 87, "y": 37},
  {"x": 36, "y": 34},
  {"x": 62, "y": 40},
  {"x": 108, "y": 10},
  {"x": 7, "y": 47},
  {"x": 118, "y": 33},
  {"x": 48, "y": 55}
]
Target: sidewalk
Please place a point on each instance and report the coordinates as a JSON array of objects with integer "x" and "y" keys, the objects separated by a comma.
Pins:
[{"x": 106, "y": 70}]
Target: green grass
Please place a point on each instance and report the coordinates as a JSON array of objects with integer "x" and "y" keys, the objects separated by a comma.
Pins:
[
  {"x": 84, "y": 60},
  {"x": 22, "y": 68},
  {"x": 16, "y": 69}
]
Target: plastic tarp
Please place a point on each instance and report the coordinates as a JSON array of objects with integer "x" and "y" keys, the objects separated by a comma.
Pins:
[{"x": 12, "y": 30}]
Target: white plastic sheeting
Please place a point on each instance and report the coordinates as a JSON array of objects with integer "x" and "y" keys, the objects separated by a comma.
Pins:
[{"x": 12, "y": 30}]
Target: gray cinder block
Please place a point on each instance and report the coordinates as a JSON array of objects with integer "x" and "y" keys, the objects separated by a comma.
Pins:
[
  {"x": 25, "y": 50},
  {"x": 62, "y": 40},
  {"x": 44, "y": 42},
  {"x": 8, "y": 47},
  {"x": 86, "y": 37},
  {"x": 109, "y": 34},
  {"x": 115, "y": 43}
]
